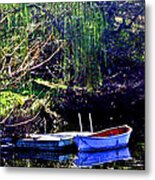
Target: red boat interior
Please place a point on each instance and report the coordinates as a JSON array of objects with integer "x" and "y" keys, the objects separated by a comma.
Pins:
[{"x": 111, "y": 132}]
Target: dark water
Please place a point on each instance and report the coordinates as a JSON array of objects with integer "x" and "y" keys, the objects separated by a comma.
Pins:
[{"x": 131, "y": 157}]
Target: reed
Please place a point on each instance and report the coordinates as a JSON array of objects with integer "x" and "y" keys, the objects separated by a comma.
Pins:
[{"x": 86, "y": 25}]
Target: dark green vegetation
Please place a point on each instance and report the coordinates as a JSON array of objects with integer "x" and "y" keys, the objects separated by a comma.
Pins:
[{"x": 58, "y": 59}]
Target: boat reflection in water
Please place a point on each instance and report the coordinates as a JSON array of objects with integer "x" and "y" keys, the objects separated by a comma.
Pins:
[
  {"x": 12, "y": 153},
  {"x": 43, "y": 155},
  {"x": 88, "y": 159},
  {"x": 79, "y": 160}
]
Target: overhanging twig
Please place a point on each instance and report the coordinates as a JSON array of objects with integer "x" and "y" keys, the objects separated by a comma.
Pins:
[{"x": 23, "y": 123}]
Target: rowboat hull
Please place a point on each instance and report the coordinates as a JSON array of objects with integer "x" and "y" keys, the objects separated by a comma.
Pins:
[
  {"x": 44, "y": 145},
  {"x": 51, "y": 142},
  {"x": 95, "y": 142}
]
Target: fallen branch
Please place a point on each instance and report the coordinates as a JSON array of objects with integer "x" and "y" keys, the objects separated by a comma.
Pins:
[
  {"x": 3, "y": 20},
  {"x": 34, "y": 48},
  {"x": 26, "y": 70},
  {"x": 3, "y": 64},
  {"x": 23, "y": 123},
  {"x": 48, "y": 59}
]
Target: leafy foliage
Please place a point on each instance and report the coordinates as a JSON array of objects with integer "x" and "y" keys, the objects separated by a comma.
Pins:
[{"x": 8, "y": 101}]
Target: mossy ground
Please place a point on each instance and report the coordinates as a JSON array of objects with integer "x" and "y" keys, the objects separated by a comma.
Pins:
[{"x": 8, "y": 101}]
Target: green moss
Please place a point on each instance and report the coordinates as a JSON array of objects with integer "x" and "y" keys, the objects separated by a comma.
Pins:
[{"x": 8, "y": 100}]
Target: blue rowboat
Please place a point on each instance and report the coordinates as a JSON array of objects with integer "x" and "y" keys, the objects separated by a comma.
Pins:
[
  {"x": 112, "y": 138},
  {"x": 89, "y": 159},
  {"x": 45, "y": 142},
  {"x": 6, "y": 146},
  {"x": 52, "y": 142}
]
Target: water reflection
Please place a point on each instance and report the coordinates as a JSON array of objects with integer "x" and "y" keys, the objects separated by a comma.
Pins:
[
  {"x": 85, "y": 159},
  {"x": 32, "y": 158},
  {"x": 43, "y": 155}
]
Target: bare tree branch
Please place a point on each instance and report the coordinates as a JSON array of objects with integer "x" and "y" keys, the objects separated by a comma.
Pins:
[{"x": 23, "y": 123}]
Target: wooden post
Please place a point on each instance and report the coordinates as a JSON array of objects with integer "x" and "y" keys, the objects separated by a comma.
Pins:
[
  {"x": 80, "y": 122},
  {"x": 45, "y": 126},
  {"x": 91, "y": 123}
]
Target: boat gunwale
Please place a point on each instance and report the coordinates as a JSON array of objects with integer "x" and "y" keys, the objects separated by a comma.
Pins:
[
  {"x": 31, "y": 139},
  {"x": 110, "y": 136},
  {"x": 60, "y": 136}
]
